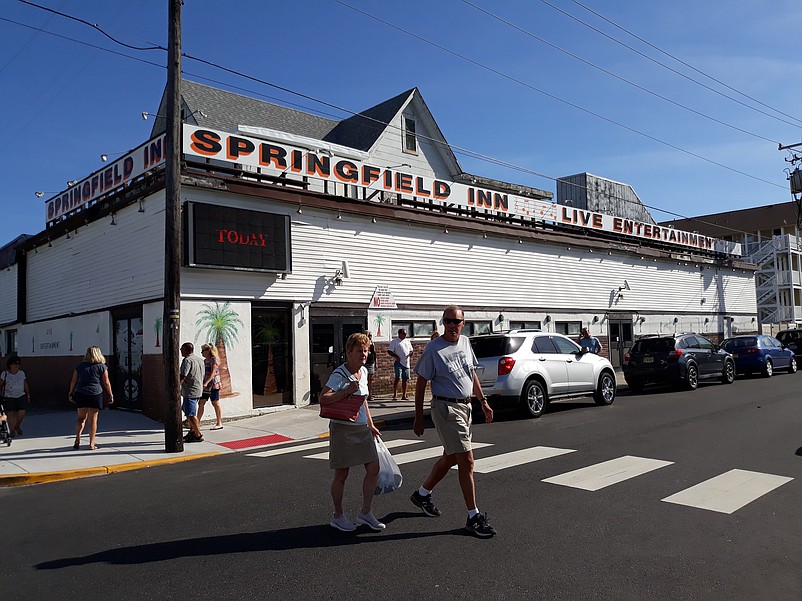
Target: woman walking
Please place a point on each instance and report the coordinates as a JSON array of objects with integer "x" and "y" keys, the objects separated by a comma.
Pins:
[
  {"x": 211, "y": 384},
  {"x": 89, "y": 380},
  {"x": 351, "y": 443},
  {"x": 14, "y": 387}
]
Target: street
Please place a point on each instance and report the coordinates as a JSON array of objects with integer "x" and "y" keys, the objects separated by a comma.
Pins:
[{"x": 254, "y": 525}]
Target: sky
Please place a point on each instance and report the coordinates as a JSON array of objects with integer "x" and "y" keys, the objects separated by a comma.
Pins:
[{"x": 550, "y": 87}]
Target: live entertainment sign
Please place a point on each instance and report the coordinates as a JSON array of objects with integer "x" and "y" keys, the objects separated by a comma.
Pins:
[{"x": 229, "y": 238}]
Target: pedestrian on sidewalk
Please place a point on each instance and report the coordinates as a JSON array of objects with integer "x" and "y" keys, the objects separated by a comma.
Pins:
[
  {"x": 450, "y": 365},
  {"x": 14, "y": 387},
  {"x": 370, "y": 364},
  {"x": 191, "y": 375},
  {"x": 352, "y": 443},
  {"x": 211, "y": 384},
  {"x": 588, "y": 343},
  {"x": 400, "y": 350},
  {"x": 89, "y": 380}
]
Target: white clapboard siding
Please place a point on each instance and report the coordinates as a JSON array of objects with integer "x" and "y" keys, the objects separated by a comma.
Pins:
[
  {"x": 101, "y": 265},
  {"x": 424, "y": 265},
  {"x": 8, "y": 294}
]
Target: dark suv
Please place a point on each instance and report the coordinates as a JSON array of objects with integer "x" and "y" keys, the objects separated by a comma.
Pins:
[
  {"x": 792, "y": 339},
  {"x": 676, "y": 359}
]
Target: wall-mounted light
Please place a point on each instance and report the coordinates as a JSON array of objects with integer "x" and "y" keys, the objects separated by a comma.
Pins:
[
  {"x": 641, "y": 319},
  {"x": 300, "y": 211},
  {"x": 113, "y": 220},
  {"x": 68, "y": 235},
  {"x": 484, "y": 234},
  {"x": 141, "y": 206},
  {"x": 339, "y": 215},
  {"x": 445, "y": 230},
  {"x": 703, "y": 301},
  {"x": 707, "y": 320},
  {"x": 72, "y": 182},
  {"x": 624, "y": 286},
  {"x": 373, "y": 220},
  {"x": 338, "y": 278},
  {"x": 501, "y": 317},
  {"x": 676, "y": 320},
  {"x": 38, "y": 194},
  {"x": 547, "y": 319},
  {"x": 35, "y": 250},
  {"x": 595, "y": 319},
  {"x": 49, "y": 244}
]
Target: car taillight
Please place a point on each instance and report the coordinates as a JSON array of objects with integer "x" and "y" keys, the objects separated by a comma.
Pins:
[
  {"x": 752, "y": 350},
  {"x": 626, "y": 357},
  {"x": 505, "y": 365},
  {"x": 675, "y": 354}
]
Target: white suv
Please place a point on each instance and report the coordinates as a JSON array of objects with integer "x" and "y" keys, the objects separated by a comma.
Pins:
[{"x": 530, "y": 368}]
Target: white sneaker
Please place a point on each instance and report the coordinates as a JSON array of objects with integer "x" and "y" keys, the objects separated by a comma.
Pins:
[
  {"x": 342, "y": 523},
  {"x": 370, "y": 521}
]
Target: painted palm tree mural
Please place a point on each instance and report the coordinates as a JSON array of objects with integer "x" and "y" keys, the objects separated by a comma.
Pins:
[
  {"x": 267, "y": 332},
  {"x": 379, "y": 321},
  {"x": 157, "y": 327},
  {"x": 220, "y": 323}
]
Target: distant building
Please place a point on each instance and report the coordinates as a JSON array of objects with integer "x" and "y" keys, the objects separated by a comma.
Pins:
[
  {"x": 593, "y": 193},
  {"x": 770, "y": 239}
]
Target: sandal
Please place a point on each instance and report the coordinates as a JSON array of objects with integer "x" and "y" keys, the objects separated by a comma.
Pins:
[{"x": 94, "y": 448}]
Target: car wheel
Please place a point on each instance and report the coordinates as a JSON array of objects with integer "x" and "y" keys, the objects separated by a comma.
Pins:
[
  {"x": 792, "y": 366},
  {"x": 534, "y": 398},
  {"x": 768, "y": 369},
  {"x": 605, "y": 391},
  {"x": 728, "y": 376},
  {"x": 692, "y": 377}
]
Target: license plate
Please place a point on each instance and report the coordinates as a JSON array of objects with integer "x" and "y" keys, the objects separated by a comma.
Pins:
[{"x": 648, "y": 359}]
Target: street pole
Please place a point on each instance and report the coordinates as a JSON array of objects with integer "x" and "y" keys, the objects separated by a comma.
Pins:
[{"x": 173, "y": 439}]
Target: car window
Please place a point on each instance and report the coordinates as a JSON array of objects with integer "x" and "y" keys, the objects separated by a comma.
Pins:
[
  {"x": 564, "y": 345},
  {"x": 770, "y": 340},
  {"x": 654, "y": 345},
  {"x": 543, "y": 344},
  {"x": 704, "y": 343},
  {"x": 786, "y": 337},
  {"x": 495, "y": 346}
]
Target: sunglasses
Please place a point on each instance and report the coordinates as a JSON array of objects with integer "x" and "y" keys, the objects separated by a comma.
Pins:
[{"x": 449, "y": 322}]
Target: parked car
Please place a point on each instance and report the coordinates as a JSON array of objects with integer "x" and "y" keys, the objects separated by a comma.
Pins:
[
  {"x": 676, "y": 359},
  {"x": 793, "y": 340},
  {"x": 530, "y": 368},
  {"x": 759, "y": 353}
]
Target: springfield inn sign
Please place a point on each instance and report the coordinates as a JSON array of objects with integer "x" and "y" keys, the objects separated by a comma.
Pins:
[{"x": 278, "y": 159}]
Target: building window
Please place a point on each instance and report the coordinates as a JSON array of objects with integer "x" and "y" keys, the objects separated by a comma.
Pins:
[
  {"x": 524, "y": 325},
  {"x": 568, "y": 328},
  {"x": 415, "y": 329},
  {"x": 11, "y": 342},
  {"x": 472, "y": 328},
  {"x": 410, "y": 140}
]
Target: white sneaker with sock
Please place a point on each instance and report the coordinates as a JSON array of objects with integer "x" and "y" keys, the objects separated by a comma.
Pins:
[
  {"x": 370, "y": 521},
  {"x": 342, "y": 523}
]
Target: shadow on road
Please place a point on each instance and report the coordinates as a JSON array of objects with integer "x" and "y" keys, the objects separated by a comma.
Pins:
[{"x": 302, "y": 537}]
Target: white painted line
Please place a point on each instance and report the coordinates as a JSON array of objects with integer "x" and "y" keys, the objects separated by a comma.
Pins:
[
  {"x": 429, "y": 453},
  {"x": 500, "y": 462},
  {"x": 729, "y": 491},
  {"x": 284, "y": 450},
  {"x": 595, "y": 477},
  {"x": 390, "y": 444}
]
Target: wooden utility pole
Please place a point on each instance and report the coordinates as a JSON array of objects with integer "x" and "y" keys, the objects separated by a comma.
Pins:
[{"x": 173, "y": 438}]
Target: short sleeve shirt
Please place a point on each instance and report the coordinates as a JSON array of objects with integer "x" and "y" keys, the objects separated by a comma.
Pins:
[
  {"x": 89, "y": 377},
  {"x": 449, "y": 367},
  {"x": 15, "y": 384},
  {"x": 591, "y": 344},
  {"x": 402, "y": 349},
  {"x": 192, "y": 370},
  {"x": 340, "y": 379}
]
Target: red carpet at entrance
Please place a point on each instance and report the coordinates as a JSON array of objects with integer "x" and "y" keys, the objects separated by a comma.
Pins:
[{"x": 258, "y": 441}]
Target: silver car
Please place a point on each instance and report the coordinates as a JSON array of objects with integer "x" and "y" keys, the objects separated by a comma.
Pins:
[{"x": 529, "y": 368}]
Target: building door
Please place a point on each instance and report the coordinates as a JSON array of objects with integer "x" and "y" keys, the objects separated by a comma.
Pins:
[
  {"x": 271, "y": 356},
  {"x": 125, "y": 370},
  {"x": 620, "y": 337},
  {"x": 329, "y": 334}
]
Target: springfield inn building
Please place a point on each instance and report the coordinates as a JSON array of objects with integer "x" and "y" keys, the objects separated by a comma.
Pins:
[{"x": 299, "y": 230}]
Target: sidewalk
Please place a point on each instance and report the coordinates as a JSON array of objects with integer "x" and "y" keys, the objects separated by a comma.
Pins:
[{"x": 128, "y": 440}]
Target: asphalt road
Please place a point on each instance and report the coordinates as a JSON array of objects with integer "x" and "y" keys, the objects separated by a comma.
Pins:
[{"x": 246, "y": 527}]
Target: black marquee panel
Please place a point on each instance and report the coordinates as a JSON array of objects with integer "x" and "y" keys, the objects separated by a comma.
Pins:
[{"x": 230, "y": 238}]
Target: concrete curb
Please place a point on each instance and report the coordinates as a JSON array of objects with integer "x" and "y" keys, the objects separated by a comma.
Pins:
[{"x": 43, "y": 477}]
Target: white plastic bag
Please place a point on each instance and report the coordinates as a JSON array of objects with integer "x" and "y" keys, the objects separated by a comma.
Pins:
[{"x": 390, "y": 477}]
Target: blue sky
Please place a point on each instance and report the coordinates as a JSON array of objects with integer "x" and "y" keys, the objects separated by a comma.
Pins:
[{"x": 65, "y": 102}]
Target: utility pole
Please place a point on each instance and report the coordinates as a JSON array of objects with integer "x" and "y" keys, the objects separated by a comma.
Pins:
[{"x": 173, "y": 439}]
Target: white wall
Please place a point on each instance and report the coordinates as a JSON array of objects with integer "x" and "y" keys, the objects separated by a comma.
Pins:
[
  {"x": 8, "y": 294},
  {"x": 101, "y": 265}
]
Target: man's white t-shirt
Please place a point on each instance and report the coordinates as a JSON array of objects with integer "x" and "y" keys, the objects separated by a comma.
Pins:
[{"x": 402, "y": 349}]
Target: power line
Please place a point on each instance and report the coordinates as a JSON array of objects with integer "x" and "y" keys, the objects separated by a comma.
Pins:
[
  {"x": 657, "y": 62},
  {"x": 616, "y": 76},
  {"x": 682, "y": 62},
  {"x": 457, "y": 149}
]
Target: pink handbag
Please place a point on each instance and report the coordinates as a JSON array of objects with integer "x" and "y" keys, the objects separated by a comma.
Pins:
[{"x": 345, "y": 410}]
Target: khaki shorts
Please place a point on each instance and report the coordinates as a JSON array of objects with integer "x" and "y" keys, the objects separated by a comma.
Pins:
[
  {"x": 350, "y": 446},
  {"x": 453, "y": 423}
]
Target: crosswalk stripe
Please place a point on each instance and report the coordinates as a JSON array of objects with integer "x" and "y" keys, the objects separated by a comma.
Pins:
[
  {"x": 595, "y": 477},
  {"x": 390, "y": 444},
  {"x": 500, "y": 462},
  {"x": 429, "y": 453},
  {"x": 295, "y": 449},
  {"x": 729, "y": 491}
]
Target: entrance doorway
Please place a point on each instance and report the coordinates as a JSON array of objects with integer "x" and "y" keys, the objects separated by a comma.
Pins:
[
  {"x": 328, "y": 346},
  {"x": 270, "y": 356},
  {"x": 126, "y": 367},
  {"x": 620, "y": 336}
]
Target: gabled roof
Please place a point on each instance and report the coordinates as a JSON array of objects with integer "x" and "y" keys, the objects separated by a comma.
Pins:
[{"x": 362, "y": 130}]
